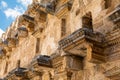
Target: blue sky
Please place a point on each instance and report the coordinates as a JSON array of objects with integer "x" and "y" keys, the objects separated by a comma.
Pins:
[{"x": 10, "y": 9}]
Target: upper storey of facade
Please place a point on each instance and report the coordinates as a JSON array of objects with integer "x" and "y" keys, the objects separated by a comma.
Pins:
[{"x": 50, "y": 25}]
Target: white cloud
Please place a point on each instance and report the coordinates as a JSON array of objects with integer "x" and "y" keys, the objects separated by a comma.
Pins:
[
  {"x": 3, "y": 4},
  {"x": 1, "y": 32},
  {"x": 13, "y": 13},
  {"x": 25, "y": 3}
]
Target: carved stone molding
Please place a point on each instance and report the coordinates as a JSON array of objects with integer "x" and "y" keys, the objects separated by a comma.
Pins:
[
  {"x": 82, "y": 35},
  {"x": 31, "y": 10},
  {"x": 28, "y": 18},
  {"x": 85, "y": 41},
  {"x": 112, "y": 45},
  {"x": 17, "y": 74},
  {"x": 66, "y": 63},
  {"x": 41, "y": 63},
  {"x": 32, "y": 74},
  {"x": 58, "y": 64},
  {"x": 41, "y": 16},
  {"x": 27, "y": 21},
  {"x": 22, "y": 32},
  {"x": 38, "y": 11},
  {"x": 113, "y": 73},
  {"x": 115, "y": 15},
  {"x": 50, "y": 8},
  {"x": 62, "y": 7}
]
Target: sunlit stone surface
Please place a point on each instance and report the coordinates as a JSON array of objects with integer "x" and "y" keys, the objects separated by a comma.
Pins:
[{"x": 63, "y": 40}]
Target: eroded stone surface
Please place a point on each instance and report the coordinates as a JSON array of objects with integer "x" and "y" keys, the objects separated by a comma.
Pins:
[{"x": 63, "y": 40}]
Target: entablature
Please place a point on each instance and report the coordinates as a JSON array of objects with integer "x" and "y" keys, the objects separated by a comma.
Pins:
[
  {"x": 62, "y": 63},
  {"x": 27, "y": 21},
  {"x": 115, "y": 15},
  {"x": 112, "y": 38},
  {"x": 18, "y": 74},
  {"x": 22, "y": 32},
  {"x": 41, "y": 63},
  {"x": 113, "y": 73},
  {"x": 37, "y": 11},
  {"x": 63, "y": 7},
  {"x": 41, "y": 16}
]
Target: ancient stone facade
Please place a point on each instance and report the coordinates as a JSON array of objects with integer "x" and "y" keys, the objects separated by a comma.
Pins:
[{"x": 63, "y": 40}]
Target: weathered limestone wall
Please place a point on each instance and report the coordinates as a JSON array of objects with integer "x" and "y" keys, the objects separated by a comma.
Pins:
[
  {"x": 50, "y": 39},
  {"x": 25, "y": 50}
]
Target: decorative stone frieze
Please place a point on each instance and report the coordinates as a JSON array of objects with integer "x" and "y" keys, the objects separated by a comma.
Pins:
[
  {"x": 50, "y": 8},
  {"x": 41, "y": 63},
  {"x": 66, "y": 63},
  {"x": 31, "y": 10},
  {"x": 115, "y": 15},
  {"x": 84, "y": 41},
  {"x": 89, "y": 53},
  {"x": 38, "y": 11},
  {"x": 28, "y": 18},
  {"x": 32, "y": 74},
  {"x": 62, "y": 7},
  {"x": 41, "y": 16},
  {"x": 113, "y": 44},
  {"x": 22, "y": 32},
  {"x": 47, "y": 6},
  {"x": 9, "y": 43},
  {"x": 97, "y": 55},
  {"x": 83, "y": 34},
  {"x": 113, "y": 73},
  {"x": 17, "y": 74}
]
